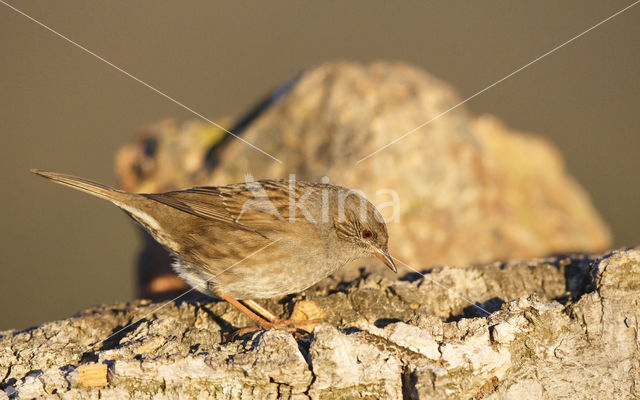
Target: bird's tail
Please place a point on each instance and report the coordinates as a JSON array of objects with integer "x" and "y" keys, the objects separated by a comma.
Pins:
[{"x": 86, "y": 185}]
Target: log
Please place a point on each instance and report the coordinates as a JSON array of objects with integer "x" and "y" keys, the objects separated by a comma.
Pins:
[{"x": 559, "y": 327}]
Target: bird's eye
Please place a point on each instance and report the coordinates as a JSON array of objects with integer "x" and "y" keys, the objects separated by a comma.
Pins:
[{"x": 366, "y": 234}]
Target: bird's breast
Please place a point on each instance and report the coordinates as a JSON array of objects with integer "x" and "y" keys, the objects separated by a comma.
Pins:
[{"x": 286, "y": 267}]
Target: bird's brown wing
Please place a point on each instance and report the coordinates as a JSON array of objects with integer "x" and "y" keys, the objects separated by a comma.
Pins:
[{"x": 254, "y": 206}]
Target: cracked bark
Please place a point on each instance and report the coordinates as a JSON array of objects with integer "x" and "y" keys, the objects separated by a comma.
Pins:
[{"x": 383, "y": 338}]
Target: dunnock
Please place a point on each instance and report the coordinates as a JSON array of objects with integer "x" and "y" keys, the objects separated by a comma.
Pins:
[{"x": 253, "y": 240}]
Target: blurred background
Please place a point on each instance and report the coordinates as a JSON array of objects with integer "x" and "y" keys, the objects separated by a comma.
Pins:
[{"x": 64, "y": 110}]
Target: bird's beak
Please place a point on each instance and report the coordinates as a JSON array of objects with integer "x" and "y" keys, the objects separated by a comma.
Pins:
[{"x": 386, "y": 258}]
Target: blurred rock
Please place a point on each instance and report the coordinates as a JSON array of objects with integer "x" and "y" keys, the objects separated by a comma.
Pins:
[
  {"x": 469, "y": 189},
  {"x": 454, "y": 332}
]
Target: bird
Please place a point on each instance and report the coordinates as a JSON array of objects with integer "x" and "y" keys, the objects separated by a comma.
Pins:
[{"x": 253, "y": 240}]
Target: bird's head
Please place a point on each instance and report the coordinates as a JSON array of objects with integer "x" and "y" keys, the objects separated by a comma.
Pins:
[{"x": 361, "y": 225}]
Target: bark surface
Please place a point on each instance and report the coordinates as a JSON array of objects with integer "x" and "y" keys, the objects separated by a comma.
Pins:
[{"x": 562, "y": 327}]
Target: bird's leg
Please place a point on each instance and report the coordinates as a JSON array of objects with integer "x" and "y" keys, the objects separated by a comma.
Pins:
[
  {"x": 261, "y": 322},
  {"x": 273, "y": 323},
  {"x": 277, "y": 322},
  {"x": 261, "y": 310}
]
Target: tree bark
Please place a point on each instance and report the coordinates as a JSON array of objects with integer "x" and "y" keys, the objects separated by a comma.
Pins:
[{"x": 562, "y": 327}]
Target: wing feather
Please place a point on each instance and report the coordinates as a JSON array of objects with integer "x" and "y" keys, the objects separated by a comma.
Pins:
[{"x": 254, "y": 206}]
